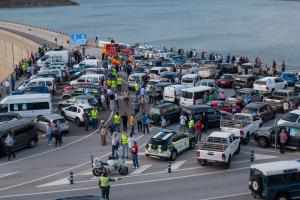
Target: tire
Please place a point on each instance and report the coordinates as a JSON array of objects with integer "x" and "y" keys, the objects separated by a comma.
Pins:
[
  {"x": 77, "y": 121},
  {"x": 238, "y": 150},
  {"x": 123, "y": 171},
  {"x": 192, "y": 144},
  {"x": 97, "y": 172},
  {"x": 262, "y": 142},
  {"x": 227, "y": 164},
  {"x": 202, "y": 162},
  {"x": 32, "y": 143},
  {"x": 256, "y": 186},
  {"x": 173, "y": 155},
  {"x": 283, "y": 197}
]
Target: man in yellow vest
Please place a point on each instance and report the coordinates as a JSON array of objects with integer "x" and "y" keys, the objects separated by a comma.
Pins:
[
  {"x": 95, "y": 118},
  {"x": 117, "y": 121},
  {"x": 108, "y": 83},
  {"x": 192, "y": 125},
  {"x": 114, "y": 71},
  {"x": 119, "y": 83},
  {"x": 113, "y": 85},
  {"x": 124, "y": 142},
  {"x": 136, "y": 89},
  {"x": 132, "y": 123},
  {"x": 105, "y": 185}
]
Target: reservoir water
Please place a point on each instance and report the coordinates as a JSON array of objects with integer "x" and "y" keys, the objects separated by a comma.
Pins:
[{"x": 266, "y": 28}]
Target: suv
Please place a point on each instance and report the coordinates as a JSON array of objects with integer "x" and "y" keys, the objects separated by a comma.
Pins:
[
  {"x": 168, "y": 143},
  {"x": 275, "y": 180},
  {"x": 171, "y": 112},
  {"x": 269, "y": 84},
  {"x": 75, "y": 112},
  {"x": 243, "y": 81},
  {"x": 262, "y": 110}
]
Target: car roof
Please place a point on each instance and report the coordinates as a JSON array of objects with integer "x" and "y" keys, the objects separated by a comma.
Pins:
[
  {"x": 295, "y": 112},
  {"x": 176, "y": 86},
  {"x": 220, "y": 134},
  {"x": 156, "y": 68},
  {"x": 190, "y": 75},
  {"x": 53, "y": 116},
  {"x": 290, "y": 124},
  {"x": 279, "y": 167},
  {"x": 164, "y": 134},
  {"x": 207, "y": 80},
  {"x": 267, "y": 78},
  {"x": 197, "y": 88},
  {"x": 255, "y": 105}
]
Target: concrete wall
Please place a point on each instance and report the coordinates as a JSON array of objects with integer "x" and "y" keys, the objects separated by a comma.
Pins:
[{"x": 13, "y": 49}]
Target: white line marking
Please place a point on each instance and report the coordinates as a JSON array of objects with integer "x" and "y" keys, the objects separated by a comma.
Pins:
[
  {"x": 63, "y": 181},
  {"x": 263, "y": 157},
  {"x": 8, "y": 174},
  {"x": 177, "y": 164},
  {"x": 231, "y": 195},
  {"x": 87, "y": 173},
  {"x": 140, "y": 170}
]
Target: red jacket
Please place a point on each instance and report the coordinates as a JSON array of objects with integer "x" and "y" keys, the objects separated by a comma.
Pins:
[
  {"x": 198, "y": 126},
  {"x": 135, "y": 149}
]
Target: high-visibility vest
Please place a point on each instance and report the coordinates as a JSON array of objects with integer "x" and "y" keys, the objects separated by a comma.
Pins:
[
  {"x": 94, "y": 114},
  {"x": 119, "y": 81},
  {"x": 113, "y": 84},
  {"x": 104, "y": 181},
  {"x": 136, "y": 87},
  {"x": 114, "y": 72},
  {"x": 117, "y": 119},
  {"x": 124, "y": 138},
  {"x": 191, "y": 123}
]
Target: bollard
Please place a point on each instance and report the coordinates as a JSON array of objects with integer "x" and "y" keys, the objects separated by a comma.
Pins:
[
  {"x": 71, "y": 178},
  {"x": 92, "y": 160},
  {"x": 252, "y": 157},
  {"x": 169, "y": 167}
]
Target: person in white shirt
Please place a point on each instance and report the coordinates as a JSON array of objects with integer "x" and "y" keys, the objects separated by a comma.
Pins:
[
  {"x": 7, "y": 86},
  {"x": 183, "y": 120}
]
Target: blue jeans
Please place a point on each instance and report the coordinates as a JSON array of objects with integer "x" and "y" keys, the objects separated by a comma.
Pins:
[
  {"x": 125, "y": 150},
  {"x": 114, "y": 149},
  {"x": 49, "y": 136},
  {"x": 117, "y": 125},
  {"x": 145, "y": 126},
  {"x": 95, "y": 123},
  {"x": 135, "y": 160},
  {"x": 198, "y": 137}
]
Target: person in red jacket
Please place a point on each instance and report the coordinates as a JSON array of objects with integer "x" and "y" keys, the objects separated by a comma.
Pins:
[
  {"x": 198, "y": 129},
  {"x": 135, "y": 151}
]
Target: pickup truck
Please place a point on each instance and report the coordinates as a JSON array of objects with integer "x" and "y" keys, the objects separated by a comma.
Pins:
[
  {"x": 218, "y": 148},
  {"x": 245, "y": 96},
  {"x": 241, "y": 125},
  {"x": 282, "y": 96}
]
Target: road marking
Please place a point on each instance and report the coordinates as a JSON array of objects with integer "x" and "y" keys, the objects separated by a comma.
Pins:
[
  {"x": 263, "y": 157},
  {"x": 8, "y": 174},
  {"x": 56, "y": 149},
  {"x": 63, "y": 181},
  {"x": 140, "y": 170},
  {"x": 231, "y": 195},
  {"x": 177, "y": 164}
]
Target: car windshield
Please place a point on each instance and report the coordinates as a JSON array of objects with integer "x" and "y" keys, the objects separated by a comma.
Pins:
[
  {"x": 291, "y": 117},
  {"x": 153, "y": 71},
  {"x": 260, "y": 82},
  {"x": 249, "y": 110},
  {"x": 154, "y": 110},
  {"x": 187, "y": 80},
  {"x": 188, "y": 95},
  {"x": 61, "y": 121}
]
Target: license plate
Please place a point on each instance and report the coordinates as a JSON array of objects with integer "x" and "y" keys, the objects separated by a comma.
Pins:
[
  {"x": 237, "y": 86},
  {"x": 223, "y": 82}
]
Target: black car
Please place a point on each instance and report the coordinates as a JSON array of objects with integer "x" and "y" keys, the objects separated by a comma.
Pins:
[
  {"x": 267, "y": 136},
  {"x": 260, "y": 109},
  {"x": 213, "y": 116},
  {"x": 5, "y": 117},
  {"x": 244, "y": 81},
  {"x": 170, "y": 111},
  {"x": 24, "y": 132}
]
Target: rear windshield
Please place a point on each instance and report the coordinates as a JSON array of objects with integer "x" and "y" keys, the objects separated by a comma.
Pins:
[
  {"x": 154, "y": 111},
  {"x": 291, "y": 117},
  {"x": 153, "y": 71},
  {"x": 134, "y": 78},
  {"x": 187, "y": 80},
  {"x": 187, "y": 95},
  {"x": 61, "y": 121},
  {"x": 260, "y": 82}
]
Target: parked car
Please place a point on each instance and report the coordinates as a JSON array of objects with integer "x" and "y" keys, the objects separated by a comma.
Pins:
[
  {"x": 170, "y": 111},
  {"x": 81, "y": 99},
  {"x": 252, "y": 68},
  {"x": 190, "y": 80},
  {"x": 297, "y": 88},
  {"x": 260, "y": 109},
  {"x": 89, "y": 78},
  {"x": 5, "y": 117},
  {"x": 172, "y": 93},
  {"x": 167, "y": 144},
  {"x": 24, "y": 132},
  {"x": 226, "y": 80},
  {"x": 207, "y": 70},
  {"x": 41, "y": 122},
  {"x": 30, "y": 90},
  {"x": 268, "y": 85},
  {"x": 224, "y": 106},
  {"x": 292, "y": 116},
  {"x": 244, "y": 81},
  {"x": 151, "y": 84},
  {"x": 75, "y": 112},
  {"x": 219, "y": 147},
  {"x": 159, "y": 88},
  {"x": 279, "y": 97},
  {"x": 278, "y": 180},
  {"x": 48, "y": 82},
  {"x": 290, "y": 78},
  {"x": 245, "y": 96},
  {"x": 169, "y": 76},
  {"x": 81, "y": 90}
]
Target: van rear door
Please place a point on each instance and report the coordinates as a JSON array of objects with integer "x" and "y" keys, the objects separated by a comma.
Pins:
[{"x": 169, "y": 94}]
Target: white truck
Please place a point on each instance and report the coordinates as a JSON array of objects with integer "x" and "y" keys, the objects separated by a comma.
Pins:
[
  {"x": 241, "y": 125},
  {"x": 219, "y": 148}
]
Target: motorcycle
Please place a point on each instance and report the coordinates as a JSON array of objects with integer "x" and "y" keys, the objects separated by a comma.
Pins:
[{"x": 111, "y": 166}]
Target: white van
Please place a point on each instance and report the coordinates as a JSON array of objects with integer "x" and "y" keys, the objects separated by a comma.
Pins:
[
  {"x": 58, "y": 73},
  {"x": 135, "y": 77},
  {"x": 190, "y": 80},
  {"x": 65, "y": 57},
  {"x": 88, "y": 62},
  {"x": 156, "y": 71},
  {"x": 27, "y": 105},
  {"x": 269, "y": 84},
  {"x": 48, "y": 82},
  {"x": 194, "y": 95},
  {"x": 89, "y": 78},
  {"x": 172, "y": 93}
]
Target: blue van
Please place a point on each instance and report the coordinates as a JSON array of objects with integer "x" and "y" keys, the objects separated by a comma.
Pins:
[
  {"x": 276, "y": 180},
  {"x": 290, "y": 78}
]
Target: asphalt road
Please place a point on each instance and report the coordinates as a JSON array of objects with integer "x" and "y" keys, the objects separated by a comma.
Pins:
[{"x": 41, "y": 172}]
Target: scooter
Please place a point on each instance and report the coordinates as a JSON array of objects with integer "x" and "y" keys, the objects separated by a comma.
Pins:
[{"x": 111, "y": 166}]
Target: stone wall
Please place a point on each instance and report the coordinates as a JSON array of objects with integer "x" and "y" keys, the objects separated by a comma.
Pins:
[{"x": 29, "y": 3}]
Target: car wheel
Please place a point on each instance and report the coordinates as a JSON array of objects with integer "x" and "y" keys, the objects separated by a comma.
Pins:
[
  {"x": 202, "y": 162},
  {"x": 192, "y": 144},
  {"x": 227, "y": 164},
  {"x": 97, "y": 172},
  {"x": 262, "y": 142},
  {"x": 77, "y": 121},
  {"x": 283, "y": 197},
  {"x": 32, "y": 143},
  {"x": 256, "y": 186},
  {"x": 173, "y": 155}
]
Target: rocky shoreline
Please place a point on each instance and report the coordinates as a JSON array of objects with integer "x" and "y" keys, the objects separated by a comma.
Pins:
[{"x": 35, "y": 3}]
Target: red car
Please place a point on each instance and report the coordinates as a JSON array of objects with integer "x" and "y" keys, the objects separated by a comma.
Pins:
[
  {"x": 224, "y": 106},
  {"x": 73, "y": 87},
  {"x": 226, "y": 80}
]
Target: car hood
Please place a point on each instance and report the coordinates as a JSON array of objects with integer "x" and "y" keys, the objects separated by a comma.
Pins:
[
  {"x": 281, "y": 121},
  {"x": 264, "y": 130}
]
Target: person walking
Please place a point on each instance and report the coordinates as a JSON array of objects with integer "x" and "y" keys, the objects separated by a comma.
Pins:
[
  {"x": 95, "y": 118},
  {"x": 117, "y": 98},
  {"x": 139, "y": 122},
  {"x": 103, "y": 134},
  {"x": 124, "y": 142},
  {"x": 198, "y": 129},
  {"x": 117, "y": 121},
  {"x": 142, "y": 102},
  {"x": 136, "y": 89},
  {"x": 132, "y": 123},
  {"x": 49, "y": 133},
  {"x": 282, "y": 67},
  {"x": 183, "y": 120},
  {"x": 9, "y": 142},
  {"x": 126, "y": 97},
  {"x": 86, "y": 120},
  {"x": 124, "y": 121},
  {"x": 115, "y": 145},
  {"x": 135, "y": 151},
  {"x": 283, "y": 138},
  {"x": 163, "y": 122},
  {"x": 1, "y": 89},
  {"x": 145, "y": 120},
  {"x": 119, "y": 83},
  {"x": 104, "y": 185}
]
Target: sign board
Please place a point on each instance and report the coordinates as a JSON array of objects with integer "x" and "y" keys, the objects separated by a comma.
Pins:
[{"x": 79, "y": 39}]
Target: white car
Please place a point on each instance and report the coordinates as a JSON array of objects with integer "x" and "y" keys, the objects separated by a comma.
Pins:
[
  {"x": 75, "y": 112},
  {"x": 269, "y": 84},
  {"x": 41, "y": 122},
  {"x": 89, "y": 78},
  {"x": 293, "y": 116}
]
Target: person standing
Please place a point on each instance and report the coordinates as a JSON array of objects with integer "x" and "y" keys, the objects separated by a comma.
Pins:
[
  {"x": 142, "y": 103},
  {"x": 1, "y": 89},
  {"x": 204, "y": 122},
  {"x": 139, "y": 122},
  {"x": 103, "y": 101},
  {"x": 104, "y": 185},
  {"x": 115, "y": 145},
  {"x": 56, "y": 134},
  {"x": 7, "y": 86},
  {"x": 283, "y": 67},
  {"x": 283, "y": 138},
  {"x": 126, "y": 97},
  {"x": 124, "y": 141},
  {"x": 198, "y": 129},
  {"x": 124, "y": 121},
  {"x": 95, "y": 118},
  {"x": 183, "y": 120},
  {"x": 135, "y": 151},
  {"x": 49, "y": 133},
  {"x": 136, "y": 89},
  {"x": 132, "y": 123},
  {"x": 192, "y": 125},
  {"x": 103, "y": 133},
  {"x": 117, "y": 121},
  {"x": 145, "y": 120},
  {"x": 163, "y": 122},
  {"x": 9, "y": 142},
  {"x": 117, "y": 98},
  {"x": 119, "y": 83},
  {"x": 86, "y": 120}
]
